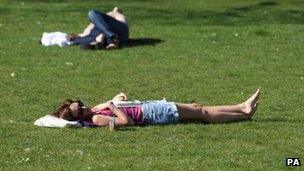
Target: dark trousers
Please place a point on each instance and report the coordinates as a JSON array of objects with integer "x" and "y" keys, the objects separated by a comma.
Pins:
[{"x": 106, "y": 25}]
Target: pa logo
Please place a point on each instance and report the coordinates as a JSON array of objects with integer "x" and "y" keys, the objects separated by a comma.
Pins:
[{"x": 293, "y": 162}]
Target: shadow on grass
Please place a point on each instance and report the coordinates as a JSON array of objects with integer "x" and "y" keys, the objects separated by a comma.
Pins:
[
  {"x": 143, "y": 42},
  {"x": 279, "y": 119},
  {"x": 131, "y": 43},
  {"x": 266, "y": 120},
  {"x": 259, "y": 13},
  {"x": 125, "y": 129},
  {"x": 267, "y": 12}
]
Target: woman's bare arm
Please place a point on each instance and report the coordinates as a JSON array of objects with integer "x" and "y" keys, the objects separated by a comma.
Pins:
[
  {"x": 120, "y": 97},
  {"x": 121, "y": 118},
  {"x": 87, "y": 30},
  {"x": 99, "y": 107}
]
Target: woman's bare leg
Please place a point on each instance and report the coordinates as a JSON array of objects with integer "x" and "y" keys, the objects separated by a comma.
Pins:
[
  {"x": 87, "y": 30},
  {"x": 245, "y": 107},
  {"x": 219, "y": 114},
  {"x": 100, "y": 38}
]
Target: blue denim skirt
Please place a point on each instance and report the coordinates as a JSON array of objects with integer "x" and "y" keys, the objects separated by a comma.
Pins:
[{"x": 159, "y": 112}]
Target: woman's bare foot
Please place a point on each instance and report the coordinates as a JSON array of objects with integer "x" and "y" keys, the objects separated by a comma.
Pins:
[
  {"x": 250, "y": 105},
  {"x": 255, "y": 108}
]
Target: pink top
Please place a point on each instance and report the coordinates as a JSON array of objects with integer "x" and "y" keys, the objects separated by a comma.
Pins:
[{"x": 134, "y": 113}]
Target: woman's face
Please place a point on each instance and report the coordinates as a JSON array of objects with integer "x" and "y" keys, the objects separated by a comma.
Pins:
[
  {"x": 79, "y": 111},
  {"x": 77, "y": 108}
]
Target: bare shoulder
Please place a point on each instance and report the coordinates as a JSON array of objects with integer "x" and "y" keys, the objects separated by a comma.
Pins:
[
  {"x": 120, "y": 17},
  {"x": 117, "y": 15}
]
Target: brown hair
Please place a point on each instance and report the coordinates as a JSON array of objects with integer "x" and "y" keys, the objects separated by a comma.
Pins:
[{"x": 64, "y": 111}]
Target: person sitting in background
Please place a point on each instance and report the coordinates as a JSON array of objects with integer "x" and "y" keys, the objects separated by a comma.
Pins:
[{"x": 108, "y": 31}]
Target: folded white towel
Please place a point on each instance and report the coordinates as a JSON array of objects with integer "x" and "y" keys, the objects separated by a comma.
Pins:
[
  {"x": 55, "y": 38},
  {"x": 52, "y": 121}
]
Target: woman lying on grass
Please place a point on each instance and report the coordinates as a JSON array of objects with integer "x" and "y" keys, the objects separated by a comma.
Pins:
[{"x": 156, "y": 112}]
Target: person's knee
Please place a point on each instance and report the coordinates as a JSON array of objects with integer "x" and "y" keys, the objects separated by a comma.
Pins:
[
  {"x": 194, "y": 104},
  {"x": 206, "y": 116},
  {"x": 92, "y": 13}
]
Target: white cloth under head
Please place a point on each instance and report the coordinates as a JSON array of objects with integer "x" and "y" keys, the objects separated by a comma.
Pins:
[{"x": 52, "y": 121}]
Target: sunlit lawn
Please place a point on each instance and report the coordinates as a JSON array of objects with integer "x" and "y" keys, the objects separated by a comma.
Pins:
[{"x": 213, "y": 52}]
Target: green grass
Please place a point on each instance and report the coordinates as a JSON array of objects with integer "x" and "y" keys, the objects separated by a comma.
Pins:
[{"x": 214, "y": 52}]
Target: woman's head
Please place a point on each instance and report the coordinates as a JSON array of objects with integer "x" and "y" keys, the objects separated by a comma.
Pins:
[{"x": 73, "y": 110}]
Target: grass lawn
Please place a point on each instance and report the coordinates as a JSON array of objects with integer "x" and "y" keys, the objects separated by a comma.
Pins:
[{"x": 212, "y": 51}]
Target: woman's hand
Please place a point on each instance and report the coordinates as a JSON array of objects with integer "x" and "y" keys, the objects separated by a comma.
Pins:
[
  {"x": 120, "y": 97},
  {"x": 102, "y": 106},
  {"x": 110, "y": 105},
  {"x": 120, "y": 118}
]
